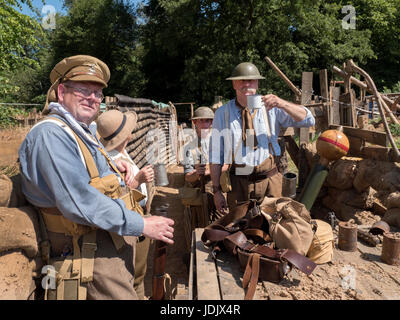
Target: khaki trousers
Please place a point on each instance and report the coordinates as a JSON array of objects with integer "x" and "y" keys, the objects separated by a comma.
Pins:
[
  {"x": 243, "y": 189},
  {"x": 142, "y": 251},
  {"x": 113, "y": 272}
]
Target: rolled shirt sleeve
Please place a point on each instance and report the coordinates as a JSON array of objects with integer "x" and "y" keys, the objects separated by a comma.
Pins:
[{"x": 53, "y": 175}]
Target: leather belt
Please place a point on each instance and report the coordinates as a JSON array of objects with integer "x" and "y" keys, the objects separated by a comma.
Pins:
[{"x": 258, "y": 176}]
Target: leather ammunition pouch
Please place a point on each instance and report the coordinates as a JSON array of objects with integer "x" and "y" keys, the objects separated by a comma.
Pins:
[
  {"x": 72, "y": 272},
  {"x": 244, "y": 233}
]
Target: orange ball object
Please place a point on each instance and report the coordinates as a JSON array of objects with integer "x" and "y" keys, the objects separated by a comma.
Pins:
[{"x": 332, "y": 145}]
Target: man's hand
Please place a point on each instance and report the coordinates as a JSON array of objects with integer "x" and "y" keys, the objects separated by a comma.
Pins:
[
  {"x": 159, "y": 228},
  {"x": 272, "y": 101},
  {"x": 124, "y": 166},
  {"x": 146, "y": 174},
  {"x": 200, "y": 169},
  {"x": 220, "y": 202}
]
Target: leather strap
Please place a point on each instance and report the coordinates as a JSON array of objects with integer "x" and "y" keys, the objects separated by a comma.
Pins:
[
  {"x": 250, "y": 276},
  {"x": 239, "y": 240}
]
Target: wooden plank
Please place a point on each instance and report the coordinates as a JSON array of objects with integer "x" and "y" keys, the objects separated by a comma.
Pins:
[
  {"x": 374, "y": 137},
  {"x": 306, "y": 94},
  {"x": 324, "y": 93},
  {"x": 229, "y": 275},
  {"x": 206, "y": 273},
  {"x": 335, "y": 110}
]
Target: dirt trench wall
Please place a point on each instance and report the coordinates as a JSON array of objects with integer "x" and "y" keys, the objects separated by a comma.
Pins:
[{"x": 363, "y": 189}]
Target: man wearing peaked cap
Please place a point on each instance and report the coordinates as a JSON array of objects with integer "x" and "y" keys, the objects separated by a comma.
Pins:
[
  {"x": 83, "y": 201},
  {"x": 77, "y": 68}
]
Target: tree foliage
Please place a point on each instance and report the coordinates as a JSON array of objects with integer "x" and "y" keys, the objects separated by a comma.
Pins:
[
  {"x": 196, "y": 43},
  {"x": 182, "y": 50}
]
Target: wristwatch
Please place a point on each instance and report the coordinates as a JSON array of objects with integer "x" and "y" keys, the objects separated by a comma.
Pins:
[{"x": 217, "y": 188}]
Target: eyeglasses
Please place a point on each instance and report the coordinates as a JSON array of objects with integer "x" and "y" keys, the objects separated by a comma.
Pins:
[{"x": 86, "y": 93}]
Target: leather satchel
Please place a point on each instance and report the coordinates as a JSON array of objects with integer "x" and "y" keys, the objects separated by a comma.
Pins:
[{"x": 244, "y": 232}]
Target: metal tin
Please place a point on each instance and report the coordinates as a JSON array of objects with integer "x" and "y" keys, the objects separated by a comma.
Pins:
[
  {"x": 160, "y": 175},
  {"x": 379, "y": 227},
  {"x": 347, "y": 236},
  {"x": 391, "y": 248},
  {"x": 289, "y": 183}
]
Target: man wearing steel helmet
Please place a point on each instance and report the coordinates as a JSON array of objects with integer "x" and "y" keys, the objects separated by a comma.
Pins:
[
  {"x": 196, "y": 168},
  {"x": 79, "y": 191},
  {"x": 248, "y": 140}
]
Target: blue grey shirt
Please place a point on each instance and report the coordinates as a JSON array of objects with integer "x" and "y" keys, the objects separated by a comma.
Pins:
[
  {"x": 53, "y": 175},
  {"x": 221, "y": 144}
]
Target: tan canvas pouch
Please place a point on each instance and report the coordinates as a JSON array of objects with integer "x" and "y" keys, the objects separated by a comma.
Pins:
[
  {"x": 289, "y": 224},
  {"x": 225, "y": 182},
  {"x": 321, "y": 249}
]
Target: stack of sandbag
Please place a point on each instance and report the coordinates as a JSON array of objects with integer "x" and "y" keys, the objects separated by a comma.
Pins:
[
  {"x": 355, "y": 184},
  {"x": 392, "y": 215},
  {"x": 19, "y": 238}
]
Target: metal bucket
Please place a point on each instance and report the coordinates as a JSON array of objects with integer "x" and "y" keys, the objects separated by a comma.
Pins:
[
  {"x": 289, "y": 183},
  {"x": 391, "y": 248},
  {"x": 347, "y": 236},
  {"x": 160, "y": 175}
]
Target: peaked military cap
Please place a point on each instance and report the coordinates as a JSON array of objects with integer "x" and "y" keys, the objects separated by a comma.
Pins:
[{"x": 77, "y": 68}]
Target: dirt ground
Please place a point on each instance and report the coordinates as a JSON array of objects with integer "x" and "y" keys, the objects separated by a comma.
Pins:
[{"x": 10, "y": 141}]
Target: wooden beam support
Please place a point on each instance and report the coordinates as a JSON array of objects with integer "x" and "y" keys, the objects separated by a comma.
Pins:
[{"x": 374, "y": 137}]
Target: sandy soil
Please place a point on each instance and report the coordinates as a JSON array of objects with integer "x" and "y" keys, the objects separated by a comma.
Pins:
[{"x": 10, "y": 141}]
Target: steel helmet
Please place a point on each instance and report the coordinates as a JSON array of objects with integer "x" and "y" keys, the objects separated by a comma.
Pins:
[
  {"x": 245, "y": 71},
  {"x": 203, "y": 113}
]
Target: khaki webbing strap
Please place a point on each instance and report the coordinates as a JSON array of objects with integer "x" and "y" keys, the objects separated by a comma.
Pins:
[
  {"x": 118, "y": 241},
  {"x": 59, "y": 224},
  {"x": 110, "y": 161},
  {"x": 63, "y": 274},
  {"x": 89, "y": 248}
]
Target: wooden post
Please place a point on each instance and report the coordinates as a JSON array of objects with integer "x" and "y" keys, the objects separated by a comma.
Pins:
[
  {"x": 335, "y": 111},
  {"x": 323, "y": 83},
  {"x": 306, "y": 94}
]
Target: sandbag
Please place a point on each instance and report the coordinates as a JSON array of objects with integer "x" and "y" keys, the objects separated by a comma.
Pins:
[
  {"x": 321, "y": 249},
  {"x": 19, "y": 229},
  {"x": 11, "y": 192},
  {"x": 342, "y": 174},
  {"x": 392, "y": 217},
  {"x": 5, "y": 190},
  {"x": 16, "y": 281},
  {"x": 393, "y": 200},
  {"x": 289, "y": 223},
  {"x": 381, "y": 175}
]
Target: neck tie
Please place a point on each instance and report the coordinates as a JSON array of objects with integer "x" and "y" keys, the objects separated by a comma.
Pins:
[{"x": 247, "y": 124}]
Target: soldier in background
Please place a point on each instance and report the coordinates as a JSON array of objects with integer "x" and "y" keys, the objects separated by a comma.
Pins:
[{"x": 197, "y": 171}]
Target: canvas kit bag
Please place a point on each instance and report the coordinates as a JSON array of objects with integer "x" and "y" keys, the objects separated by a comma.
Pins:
[{"x": 252, "y": 235}]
